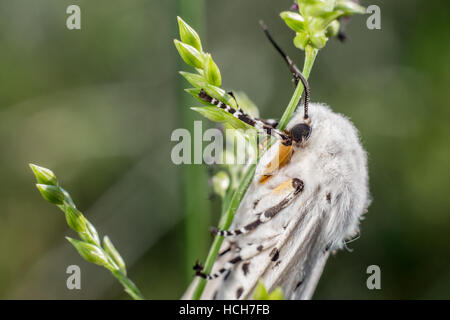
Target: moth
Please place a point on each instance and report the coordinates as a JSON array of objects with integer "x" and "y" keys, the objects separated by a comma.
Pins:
[{"x": 306, "y": 200}]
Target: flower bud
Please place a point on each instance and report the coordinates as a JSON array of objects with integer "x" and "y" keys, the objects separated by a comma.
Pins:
[
  {"x": 221, "y": 183},
  {"x": 90, "y": 252},
  {"x": 301, "y": 40},
  {"x": 188, "y": 35},
  {"x": 114, "y": 254},
  {"x": 333, "y": 29},
  {"x": 349, "y": 7},
  {"x": 189, "y": 54},
  {"x": 44, "y": 175},
  {"x": 294, "y": 20},
  {"x": 51, "y": 193},
  {"x": 318, "y": 40},
  {"x": 195, "y": 80},
  {"x": 319, "y": 9},
  {"x": 90, "y": 234},
  {"x": 75, "y": 219},
  {"x": 212, "y": 73}
]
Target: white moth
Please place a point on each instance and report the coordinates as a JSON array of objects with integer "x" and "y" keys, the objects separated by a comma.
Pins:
[
  {"x": 291, "y": 249},
  {"x": 296, "y": 212}
]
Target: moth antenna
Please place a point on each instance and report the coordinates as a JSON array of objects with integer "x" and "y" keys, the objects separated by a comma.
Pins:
[{"x": 298, "y": 76}]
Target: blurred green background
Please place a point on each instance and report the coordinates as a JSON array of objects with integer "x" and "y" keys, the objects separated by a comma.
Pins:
[{"x": 98, "y": 106}]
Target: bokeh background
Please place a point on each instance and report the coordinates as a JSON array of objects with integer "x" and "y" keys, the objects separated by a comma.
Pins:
[{"x": 98, "y": 107}]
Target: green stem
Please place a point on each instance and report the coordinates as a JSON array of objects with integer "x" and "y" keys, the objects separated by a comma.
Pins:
[
  {"x": 194, "y": 189},
  {"x": 225, "y": 222},
  {"x": 228, "y": 215},
  {"x": 128, "y": 285}
]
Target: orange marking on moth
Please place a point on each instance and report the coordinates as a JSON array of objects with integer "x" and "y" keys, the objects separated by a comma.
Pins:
[
  {"x": 284, "y": 186},
  {"x": 282, "y": 157}
]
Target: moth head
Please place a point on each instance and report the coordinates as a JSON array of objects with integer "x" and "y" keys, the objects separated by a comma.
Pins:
[{"x": 301, "y": 132}]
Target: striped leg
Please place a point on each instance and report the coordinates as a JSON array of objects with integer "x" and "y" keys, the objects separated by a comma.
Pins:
[
  {"x": 298, "y": 76},
  {"x": 257, "y": 124},
  {"x": 297, "y": 187},
  {"x": 244, "y": 255}
]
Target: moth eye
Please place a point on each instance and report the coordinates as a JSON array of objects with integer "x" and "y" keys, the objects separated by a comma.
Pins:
[{"x": 301, "y": 132}]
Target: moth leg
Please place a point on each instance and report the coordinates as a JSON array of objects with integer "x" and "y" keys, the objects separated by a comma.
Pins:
[
  {"x": 239, "y": 114},
  {"x": 294, "y": 186},
  {"x": 245, "y": 254},
  {"x": 298, "y": 76}
]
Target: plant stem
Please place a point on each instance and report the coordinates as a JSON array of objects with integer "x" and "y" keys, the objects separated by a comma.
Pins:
[
  {"x": 129, "y": 286},
  {"x": 225, "y": 222},
  {"x": 228, "y": 215},
  {"x": 195, "y": 188}
]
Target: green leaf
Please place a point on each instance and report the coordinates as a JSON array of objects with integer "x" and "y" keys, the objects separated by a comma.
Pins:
[
  {"x": 294, "y": 20},
  {"x": 216, "y": 114},
  {"x": 91, "y": 253},
  {"x": 44, "y": 175},
  {"x": 189, "y": 54},
  {"x": 188, "y": 35},
  {"x": 114, "y": 254},
  {"x": 212, "y": 73},
  {"x": 51, "y": 193}
]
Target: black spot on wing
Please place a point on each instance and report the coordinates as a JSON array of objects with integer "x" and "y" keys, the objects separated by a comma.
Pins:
[
  {"x": 245, "y": 268},
  {"x": 239, "y": 292},
  {"x": 275, "y": 254}
]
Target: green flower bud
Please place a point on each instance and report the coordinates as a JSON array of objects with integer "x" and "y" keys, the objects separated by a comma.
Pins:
[
  {"x": 319, "y": 40},
  {"x": 276, "y": 294},
  {"x": 51, "y": 193},
  {"x": 91, "y": 253},
  {"x": 194, "y": 79},
  {"x": 333, "y": 29},
  {"x": 189, "y": 54},
  {"x": 349, "y": 7},
  {"x": 319, "y": 9},
  {"x": 114, "y": 254},
  {"x": 218, "y": 115},
  {"x": 44, "y": 175},
  {"x": 212, "y": 72},
  {"x": 260, "y": 292},
  {"x": 75, "y": 219},
  {"x": 221, "y": 183},
  {"x": 188, "y": 35},
  {"x": 301, "y": 40},
  {"x": 294, "y": 20},
  {"x": 90, "y": 234}
]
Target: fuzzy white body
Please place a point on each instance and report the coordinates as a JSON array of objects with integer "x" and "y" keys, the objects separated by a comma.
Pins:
[{"x": 333, "y": 167}]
